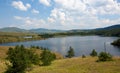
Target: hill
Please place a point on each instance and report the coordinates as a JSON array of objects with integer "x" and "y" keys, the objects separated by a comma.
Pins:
[
  {"x": 43, "y": 30},
  {"x": 12, "y": 29},
  {"x": 113, "y": 30},
  {"x": 39, "y": 30},
  {"x": 117, "y": 26},
  {"x": 108, "y": 31}
]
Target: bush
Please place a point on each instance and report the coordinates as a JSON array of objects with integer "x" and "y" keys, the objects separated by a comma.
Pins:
[
  {"x": 83, "y": 56},
  {"x": 93, "y": 53},
  {"x": 70, "y": 53},
  {"x": 116, "y": 43},
  {"x": 103, "y": 56},
  {"x": 21, "y": 59},
  {"x": 47, "y": 57}
]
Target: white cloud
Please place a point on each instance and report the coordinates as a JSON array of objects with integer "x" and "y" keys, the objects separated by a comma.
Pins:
[
  {"x": 58, "y": 15},
  {"x": 28, "y": 22},
  {"x": 77, "y": 14},
  {"x": 17, "y": 17},
  {"x": 35, "y": 11},
  {"x": 82, "y": 14},
  {"x": 28, "y": 5},
  {"x": 71, "y": 4},
  {"x": 45, "y": 2},
  {"x": 19, "y": 5},
  {"x": 105, "y": 6},
  {"x": 91, "y": 6},
  {"x": 51, "y": 20}
]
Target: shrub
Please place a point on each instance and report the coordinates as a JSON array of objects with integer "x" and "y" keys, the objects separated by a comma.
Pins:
[
  {"x": 116, "y": 43},
  {"x": 93, "y": 53},
  {"x": 103, "y": 56},
  {"x": 21, "y": 59},
  {"x": 70, "y": 53},
  {"x": 37, "y": 47},
  {"x": 83, "y": 56},
  {"x": 47, "y": 57}
]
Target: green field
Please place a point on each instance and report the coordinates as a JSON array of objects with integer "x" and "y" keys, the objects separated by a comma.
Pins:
[
  {"x": 73, "y": 65},
  {"x": 80, "y": 65},
  {"x": 6, "y": 37}
]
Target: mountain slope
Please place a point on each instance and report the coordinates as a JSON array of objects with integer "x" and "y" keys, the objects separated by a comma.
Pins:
[
  {"x": 43, "y": 30},
  {"x": 108, "y": 31},
  {"x": 12, "y": 29},
  {"x": 114, "y": 29},
  {"x": 117, "y": 26}
]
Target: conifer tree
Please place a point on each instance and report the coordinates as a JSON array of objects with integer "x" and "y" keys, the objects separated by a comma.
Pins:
[
  {"x": 20, "y": 58},
  {"x": 93, "y": 53},
  {"x": 47, "y": 57},
  {"x": 70, "y": 52}
]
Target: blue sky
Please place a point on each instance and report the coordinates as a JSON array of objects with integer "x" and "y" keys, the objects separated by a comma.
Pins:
[{"x": 59, "y": 14}]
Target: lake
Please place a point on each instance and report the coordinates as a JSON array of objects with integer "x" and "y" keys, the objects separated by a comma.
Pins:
[{"x": 81, "y": 44}]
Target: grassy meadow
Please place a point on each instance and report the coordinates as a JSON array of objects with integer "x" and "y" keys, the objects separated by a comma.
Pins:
[
  {"x": 6, "y": 37},
  {"x": 80, "y": 65},
  {"x": 72, "y": 65}
]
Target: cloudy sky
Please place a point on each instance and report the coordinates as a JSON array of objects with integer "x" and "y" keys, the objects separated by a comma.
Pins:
[{"x": 59, "y": 14}]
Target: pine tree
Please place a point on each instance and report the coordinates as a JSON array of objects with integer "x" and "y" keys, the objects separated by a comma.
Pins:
[
  {"x": 21, "y": 59},
  {"x": 103, "y": 56},
  {"x": 70, "y": 52},
  {"x": 47, "y": 57},
  {"x": 93, "y": 53}
]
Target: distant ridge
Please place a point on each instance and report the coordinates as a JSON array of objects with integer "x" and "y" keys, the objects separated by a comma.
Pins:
[
  {"x": 113, "y": 30},
  {"x": 12, "y": 29},
  {"x": 39, "y": 30},
  {"x": 117, "y": 26},
  {"x": 43, "y": 30}
]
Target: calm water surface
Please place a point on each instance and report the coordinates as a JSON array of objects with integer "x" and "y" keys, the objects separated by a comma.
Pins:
[{"x": 81, "y": 44}]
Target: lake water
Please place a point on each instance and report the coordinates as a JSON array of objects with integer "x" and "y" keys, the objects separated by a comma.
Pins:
[{"x": 81, "y": 44}]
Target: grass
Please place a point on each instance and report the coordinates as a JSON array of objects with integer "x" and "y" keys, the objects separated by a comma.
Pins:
[
  {"x": 80, "y": 65},
  {"x": 72, "y": 65},
  {"x": 3, "y": 55},
  {"x": 6, "y": 37},
  {"x": 3, "y": 51},
  {"x": 2, "y": 66}
]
